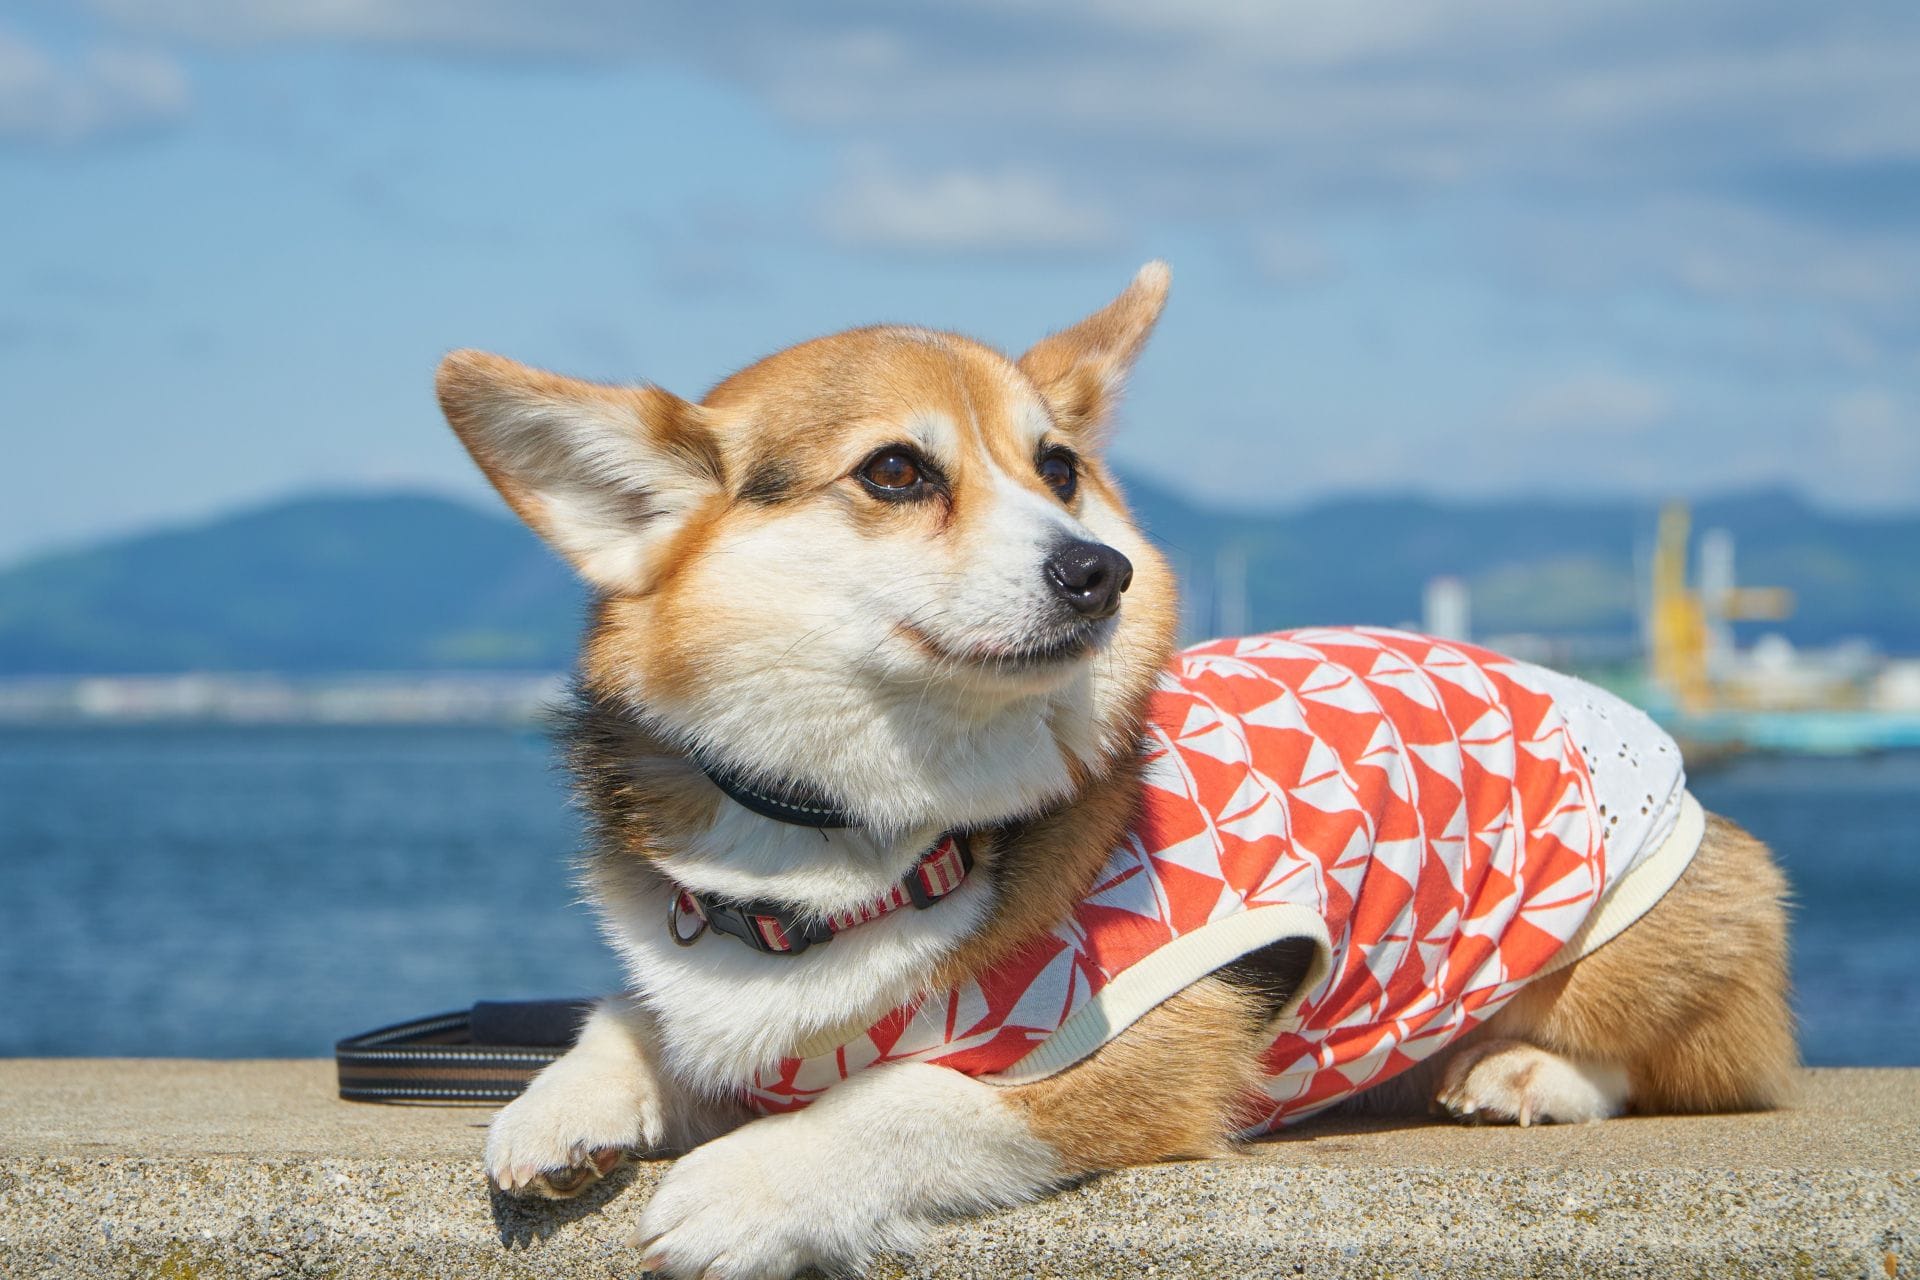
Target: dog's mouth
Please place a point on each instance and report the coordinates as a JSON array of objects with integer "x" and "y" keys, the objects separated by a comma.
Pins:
[{"x": 1029, "y": 657}]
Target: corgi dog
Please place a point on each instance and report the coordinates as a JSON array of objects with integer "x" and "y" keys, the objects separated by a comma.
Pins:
[{"x": 942, "y": 880}]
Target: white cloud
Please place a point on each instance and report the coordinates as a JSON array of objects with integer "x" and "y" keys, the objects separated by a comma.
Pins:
[
  {"x": 103, "y": 91},
  {"x": 1871, "y": 443},
  {"x": 1228, "y": 114},
  {"x": 1733, "y": 174},
  {"x": 1743, "y": 254},
  {"x": 1289, "y": 259},
  {"x": 1397, "y": 89},
  {"x": 1716, "y": 249},
  {"x": 964, "y": 212},
  {"x": 1603, "y": 146},
  {"x": 1591, "y": 402},
  {"x": 370, "y": 21}
]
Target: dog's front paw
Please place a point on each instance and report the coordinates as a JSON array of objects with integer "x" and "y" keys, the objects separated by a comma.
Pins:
[
  {"x": 753, "y": 1206},
  {"x": 1510, "y": 1081},
  {"x": 570, "y": 1128}
]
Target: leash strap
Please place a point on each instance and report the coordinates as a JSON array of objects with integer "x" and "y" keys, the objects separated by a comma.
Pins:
[{"x": 486, "y": 1054}]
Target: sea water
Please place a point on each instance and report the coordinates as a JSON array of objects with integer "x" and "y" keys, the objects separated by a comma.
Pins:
[{"x": 261, "y": 892}]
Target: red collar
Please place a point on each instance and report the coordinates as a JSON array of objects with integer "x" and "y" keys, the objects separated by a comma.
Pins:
[{"x": 784, "y": 929}]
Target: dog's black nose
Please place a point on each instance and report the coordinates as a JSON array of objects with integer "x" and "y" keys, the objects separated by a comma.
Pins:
[{"x": 1089, "y": 576}]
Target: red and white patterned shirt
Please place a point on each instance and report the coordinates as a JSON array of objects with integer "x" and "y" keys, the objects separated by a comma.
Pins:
[{"x": 1439, "y": 820}]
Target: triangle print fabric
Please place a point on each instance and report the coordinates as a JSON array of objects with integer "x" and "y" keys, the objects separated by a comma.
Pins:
[{"x": 1426, "y": 800}]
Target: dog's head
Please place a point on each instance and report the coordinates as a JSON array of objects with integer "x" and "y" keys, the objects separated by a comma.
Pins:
[{"x": 891, "y": 562}]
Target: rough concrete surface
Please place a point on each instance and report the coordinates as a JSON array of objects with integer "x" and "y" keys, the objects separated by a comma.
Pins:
[{"x": 202, "y": 1169}]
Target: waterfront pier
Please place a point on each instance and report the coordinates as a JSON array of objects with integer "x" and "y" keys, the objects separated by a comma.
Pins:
[{"x": 225, "y": 1169}]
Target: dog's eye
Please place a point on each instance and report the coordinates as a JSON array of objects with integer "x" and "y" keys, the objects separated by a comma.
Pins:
[
  {"x": 893, "y": 470},
  {"x": 1058, "y": 471}
]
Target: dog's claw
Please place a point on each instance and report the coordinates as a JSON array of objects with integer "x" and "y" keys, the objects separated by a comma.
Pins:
[{"x": 562, "y": 1182}]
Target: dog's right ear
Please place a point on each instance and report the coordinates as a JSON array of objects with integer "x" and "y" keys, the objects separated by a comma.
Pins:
[
  {"x": 605, "y": 474},
  {"x": 1080, "y": 369}
]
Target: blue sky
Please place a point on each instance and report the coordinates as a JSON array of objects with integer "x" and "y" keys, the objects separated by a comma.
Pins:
[{"x": 1481, "y": 247}]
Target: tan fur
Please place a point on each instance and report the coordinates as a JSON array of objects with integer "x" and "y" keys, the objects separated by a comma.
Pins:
[
  {"x": 1080, "y": 369},
  {"x": 474, "y": 385},
  {"x": 1170, "y": 1087},
  {"x": 797, "y": 421},
  {"x": 807, "y": 415},
  {"x": 1690, "y": 1001},
  {"x": 1045, "y": 868}
]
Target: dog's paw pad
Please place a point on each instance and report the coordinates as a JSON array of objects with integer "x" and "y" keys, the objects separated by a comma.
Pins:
[
  {"x": 1511, "y": 1082},
  {"x": 565, "y": 1183}
]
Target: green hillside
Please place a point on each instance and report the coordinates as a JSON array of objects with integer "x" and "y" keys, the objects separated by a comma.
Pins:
[
  {"x": 1556, "y": 567},
  {"x": 390, "y": 582},
  {"x": 324, "y": 583}
]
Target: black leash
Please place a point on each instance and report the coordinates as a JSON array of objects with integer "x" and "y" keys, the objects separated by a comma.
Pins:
[{"x": 485, "y": 1054}]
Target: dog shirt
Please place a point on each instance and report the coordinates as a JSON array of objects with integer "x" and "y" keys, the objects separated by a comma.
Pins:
[{"x": 1442, "y": 823}]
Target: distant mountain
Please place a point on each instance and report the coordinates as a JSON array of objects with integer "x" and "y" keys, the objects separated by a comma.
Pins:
[
  {"x": 325, "y": 583},
  {"x": 411, "y": 582},
  {"x": 1553, "y": 567}
]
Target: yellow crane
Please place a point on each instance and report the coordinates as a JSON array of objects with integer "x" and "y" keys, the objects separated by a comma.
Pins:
[{"x": 1684, "y": 616}]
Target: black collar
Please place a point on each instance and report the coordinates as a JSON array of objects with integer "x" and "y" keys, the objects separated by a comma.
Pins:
[{"x": 795, "y": 804}]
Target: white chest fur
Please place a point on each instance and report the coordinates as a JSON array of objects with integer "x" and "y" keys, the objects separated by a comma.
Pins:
[{"x": 726, "y": 1010}]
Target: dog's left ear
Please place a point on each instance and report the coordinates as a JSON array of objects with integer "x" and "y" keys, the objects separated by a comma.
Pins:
[
  {"x": 1082, "y": 370},
  {"x": 607, "y": 475}
]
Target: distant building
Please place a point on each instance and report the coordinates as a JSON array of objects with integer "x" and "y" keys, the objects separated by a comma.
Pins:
[
  {"x": 1230, "y": 591},
  {"x": 1717, "y": 587},
  {"x": 1447, "y": 609},
  {"x": 434, "y": 697}
]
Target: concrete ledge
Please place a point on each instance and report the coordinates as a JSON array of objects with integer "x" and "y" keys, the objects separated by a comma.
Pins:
[{"x": 213, "y": 1169}]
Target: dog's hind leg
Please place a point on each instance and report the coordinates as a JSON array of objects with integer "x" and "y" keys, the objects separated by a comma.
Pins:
[
  {"x": 1685, "y": 1011},
  {"x": 1511, "y": 1081}
]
